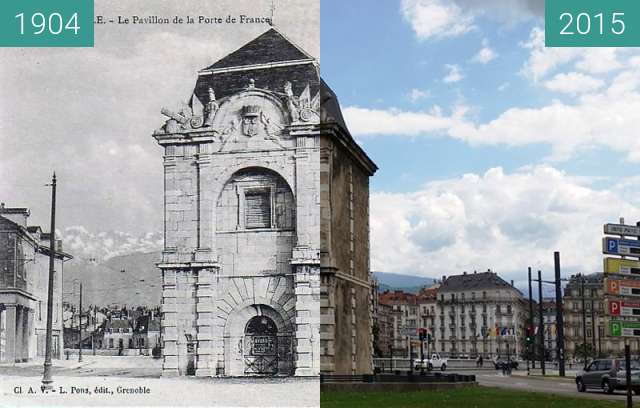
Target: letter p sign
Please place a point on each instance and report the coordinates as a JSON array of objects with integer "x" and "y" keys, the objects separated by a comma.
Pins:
[
  {"x": 614, "y": 308},
  {"x": 612, "y": 245}
]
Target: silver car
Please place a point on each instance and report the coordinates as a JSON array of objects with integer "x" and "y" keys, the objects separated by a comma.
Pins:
[{"x": 608, "y": 374}]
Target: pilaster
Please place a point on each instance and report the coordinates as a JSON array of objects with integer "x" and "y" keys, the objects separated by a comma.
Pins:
[
  {"x": 205, "y": 303},
  {"x": 307, "y": 320},
  {"x": 11, "y": 321}
]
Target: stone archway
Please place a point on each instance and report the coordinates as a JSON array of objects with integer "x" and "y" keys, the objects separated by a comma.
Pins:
[{"x": 258, "y": 341}]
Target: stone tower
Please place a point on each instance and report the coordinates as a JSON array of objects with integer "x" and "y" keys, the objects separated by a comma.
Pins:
[{"x": 241, "y": 262}]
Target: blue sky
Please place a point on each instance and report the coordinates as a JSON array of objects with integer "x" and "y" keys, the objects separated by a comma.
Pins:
[{"x": 435, "y": 90}]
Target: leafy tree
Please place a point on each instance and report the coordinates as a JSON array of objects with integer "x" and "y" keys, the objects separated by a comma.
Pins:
[{"x": 583, "y": 351}]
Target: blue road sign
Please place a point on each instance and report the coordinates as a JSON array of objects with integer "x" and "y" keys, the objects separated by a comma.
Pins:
[{"x": 617, "y": 246}]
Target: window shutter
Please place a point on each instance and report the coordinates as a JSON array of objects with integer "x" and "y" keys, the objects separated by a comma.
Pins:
[{"x": 258, "y": 209}]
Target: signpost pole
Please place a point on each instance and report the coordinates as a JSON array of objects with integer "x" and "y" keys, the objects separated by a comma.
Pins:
[
  {"x": 627, "y": 362},
  {"x": 530, "y": 347},
  {"x": 541, "y": 322},
  {"x": 559, "y": 316}
]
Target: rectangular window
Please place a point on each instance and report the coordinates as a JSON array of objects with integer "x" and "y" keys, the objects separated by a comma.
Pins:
[{"x": 257, "y": 209}]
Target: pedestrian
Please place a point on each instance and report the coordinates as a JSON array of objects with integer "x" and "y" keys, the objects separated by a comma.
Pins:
[{"x": 481, "y": 361}]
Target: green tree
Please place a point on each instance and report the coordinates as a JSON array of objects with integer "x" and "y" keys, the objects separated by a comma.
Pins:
[
  {"x": 375, "y": 330},
  {"x": 583, "y": 351}
]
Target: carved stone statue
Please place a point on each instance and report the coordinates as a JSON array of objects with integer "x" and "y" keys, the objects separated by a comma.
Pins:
[
  {"x": 210, "y": 109},
  {"x": 292, "y": 102}
]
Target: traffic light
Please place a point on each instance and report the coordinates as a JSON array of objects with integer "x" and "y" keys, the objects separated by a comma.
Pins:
[
  {"x": 422, "y": 334},
  {"x": 530, "y": 335}
]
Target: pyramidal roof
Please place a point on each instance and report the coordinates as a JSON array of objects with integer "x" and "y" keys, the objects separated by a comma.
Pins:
[{"x": 268, "y": 48}]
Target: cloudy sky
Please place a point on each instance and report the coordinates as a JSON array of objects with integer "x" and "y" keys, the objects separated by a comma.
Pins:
[
  {"x": 89, "y": 114},
  {"x": 494, "y": 151}
]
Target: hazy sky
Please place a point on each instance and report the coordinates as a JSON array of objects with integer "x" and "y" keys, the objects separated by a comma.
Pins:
[
  {"x": 89, "y": 113},
  {"x": 494, "y": 151}
]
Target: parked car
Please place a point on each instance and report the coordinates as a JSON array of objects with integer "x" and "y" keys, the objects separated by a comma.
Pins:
[
  {"x": 435, "y": 361},
  {"x": 608, "y": 374},
  {"x": 501, "y": 364}
]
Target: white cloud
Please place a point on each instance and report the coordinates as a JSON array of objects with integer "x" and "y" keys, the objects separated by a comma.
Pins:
[
  {"x": 416, "y": 94},
  {"x": 504, "y": 86},
  {"x": 449, "y": 18},
  {"x": 454, "y": 74},
  {"x": 495, "y": 220},
  {"x": 573, "y": 83},
  {"x": 436, "y": 18},
  {"x": 604, "y": 114},
  {"x": 607, "y": 118},
  {"x": 599, "y": 60},
  {"x": 363, "y": 121},
  {"x": 486, "y": 54},
  {"x": 543, "y": 60}
]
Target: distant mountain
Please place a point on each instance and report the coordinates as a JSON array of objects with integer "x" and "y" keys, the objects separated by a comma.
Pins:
[
  {"x": 98, "y": 247},
  {"x": 132, "y": 280},
  {"x": 396, "y": 281}
]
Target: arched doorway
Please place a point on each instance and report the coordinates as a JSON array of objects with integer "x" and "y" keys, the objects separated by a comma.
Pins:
[
  {"x": 258, "y": 341},
  {"x": 261, "y": 346}
]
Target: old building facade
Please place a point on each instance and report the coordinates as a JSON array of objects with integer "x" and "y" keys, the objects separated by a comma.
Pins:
[
  {"x": 249, "y": 178},
  {"x": 24, "y": 281},
  {"x": 346, "y": 299},
  {"x": 595, "y": 319},
  {"x": 480, "y": 314}
]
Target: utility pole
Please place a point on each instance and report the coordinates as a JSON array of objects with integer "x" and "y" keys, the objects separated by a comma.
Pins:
[
  {"x": 559, "y": 316},
  {"x": 80, "y": 327},
  {"x": 541, "y": 322},
  {"x": 46, "y": 377},
  {"x": 531, "y": 347}
]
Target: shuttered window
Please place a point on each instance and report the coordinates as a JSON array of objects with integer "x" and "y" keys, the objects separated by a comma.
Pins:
[{"x": 258, "y": 209}]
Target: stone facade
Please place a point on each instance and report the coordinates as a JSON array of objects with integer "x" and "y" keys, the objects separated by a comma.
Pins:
[
  {"x": 346, "y": 302},
  {"x": 241, "y": 263},
  {"x": 24, "y": 281}
]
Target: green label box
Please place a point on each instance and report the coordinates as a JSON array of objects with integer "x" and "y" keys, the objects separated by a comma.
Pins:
[
  {"x": 46, "y": 23},
  {"x": 592, "y": 23}
]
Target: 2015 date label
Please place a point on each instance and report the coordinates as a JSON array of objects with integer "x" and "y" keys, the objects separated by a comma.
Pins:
[{"x": 592, "y": 23}]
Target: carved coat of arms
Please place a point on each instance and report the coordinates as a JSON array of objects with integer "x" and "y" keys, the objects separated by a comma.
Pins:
[{"x": 250, "y": 120}]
